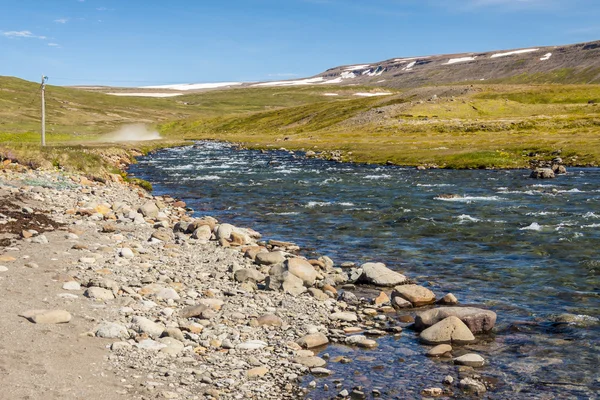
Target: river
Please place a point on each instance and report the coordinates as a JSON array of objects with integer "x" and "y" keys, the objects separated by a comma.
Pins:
[{"x": 527, "y": 249}]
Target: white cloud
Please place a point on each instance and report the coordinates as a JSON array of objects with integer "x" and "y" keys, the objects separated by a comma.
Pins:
[
  {"x": 53, "y": 45},
  {"x": 22, "y": 34},
  {"x": 61, "y": 20}
]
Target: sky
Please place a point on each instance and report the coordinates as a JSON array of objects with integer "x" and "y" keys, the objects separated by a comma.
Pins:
[{"x": 151, "y": 42}]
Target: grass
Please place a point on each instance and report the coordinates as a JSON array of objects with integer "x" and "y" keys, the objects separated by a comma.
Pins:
[{"x": 468, "y": 126}]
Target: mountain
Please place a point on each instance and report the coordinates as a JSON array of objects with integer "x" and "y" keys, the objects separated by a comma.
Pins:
[{"x": 576, "y": 63}]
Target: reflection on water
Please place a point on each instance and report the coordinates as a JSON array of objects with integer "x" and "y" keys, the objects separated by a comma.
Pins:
[{"x": 527, "y": 249}]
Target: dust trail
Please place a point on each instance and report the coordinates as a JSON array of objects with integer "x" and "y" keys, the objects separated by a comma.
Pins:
[{"x": 132, "y": 133}]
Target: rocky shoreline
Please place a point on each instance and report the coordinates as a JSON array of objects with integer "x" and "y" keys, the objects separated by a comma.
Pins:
[{"x": 192, "y": 308}]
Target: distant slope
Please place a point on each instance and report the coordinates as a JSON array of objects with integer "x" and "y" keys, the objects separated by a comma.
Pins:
[{"x": 577, "y": 63}]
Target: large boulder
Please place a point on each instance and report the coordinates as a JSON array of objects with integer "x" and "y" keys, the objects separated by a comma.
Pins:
[
  {"x": 380, "y": 275},
  {"x": 302, "y": 269},
  {"x": 449, "y": 330},
  {"x": 542, "y": 173},
  {"x": 478, "y": 320},
  {"x": 417, "y": 295}
]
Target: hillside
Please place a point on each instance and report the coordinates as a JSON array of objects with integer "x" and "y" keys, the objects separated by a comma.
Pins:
[{"x": 569, "y": 64}]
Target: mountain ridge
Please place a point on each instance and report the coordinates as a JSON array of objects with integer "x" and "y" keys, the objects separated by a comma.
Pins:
[{"x": 574, "y": 63}]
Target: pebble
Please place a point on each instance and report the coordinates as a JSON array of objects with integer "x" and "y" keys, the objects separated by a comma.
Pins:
[{"x": 3, "y": 268}]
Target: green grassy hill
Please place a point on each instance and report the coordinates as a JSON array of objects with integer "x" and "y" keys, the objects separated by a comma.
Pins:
[{"x": 460, "y": 126}]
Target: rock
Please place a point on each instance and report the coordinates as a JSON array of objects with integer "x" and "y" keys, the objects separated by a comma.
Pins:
[
  {"x": 3, "y": 268},
  {"x": 293, "y": 285},
  {"x": 272, "y": 258},
  {"x": 349, "y": 298},
  {"x": 542, "y": 173},
  {"x": 149, "y": 210},
  {"x": 116, "y": 346},
  {"x": 126, "y": 253},
  {"x": 243, "y": 275},
  {"x": 470, "y": 360},
  {"x": 47, "y": 316},
  {"x": 213, "y": 304},
  {"x": 252, "y": 345},
  {"x": 360, "y": 341},
  {"x": 111, "y": 330},
  {"x": 257, "y": 372},
  {"x": 312, "y": 340},
  {"x": 253, "y": 251},
  {"x": 193, "y": 311},
  {"x": 559, "y": 169},
  {"x": 380, "y": 275},
  {"x": 174, "y": 333},
  {"x": 471, "y": 385},
  {"x": 144, "y": 325},
  {"x": 478, "y": 320},
  {"x": 41, "y": 239},
  {"x": 167, "y": 294},
  {"x": 269, "y": 320},
  {"x": 382, "y": 299},
  {"x": 320, "y": 371},
  {"x": 203, "y": 233},
  {"x": 343, "y": 316},
  {"x": 439, "y": 350},
  {"x": 224, "y": 231},
  {"x": 448, "y": 300},
  {"x": 162, "y": 235},
  {"x": 449, "y": 330},
  {"x": 448, "y": 380},
  {"x": 238, "y": 239},
  {"x": 98, "y": 293},
  {"x": 172, "y": 346},
  {"x": 318, "y": 294},
  {"x": 310, "y": 362},
  {"x": 417, "y": 295},
  {"x": 149, "y": 344},
  {"x": 71, "y": 285},
  {"x": 399, "y": 303},
  {"x": 432, "y": 392},
  {"x": 302, "y": 269}
]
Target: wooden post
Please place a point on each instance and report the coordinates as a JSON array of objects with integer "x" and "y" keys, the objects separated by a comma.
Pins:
[{"x": 43, "y": 110}]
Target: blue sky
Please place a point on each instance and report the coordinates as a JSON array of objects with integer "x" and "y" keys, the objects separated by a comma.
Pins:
[{"x": 136, "y": 43}]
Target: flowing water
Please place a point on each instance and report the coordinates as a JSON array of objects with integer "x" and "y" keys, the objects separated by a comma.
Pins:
[{"x": 525, "y": 248}]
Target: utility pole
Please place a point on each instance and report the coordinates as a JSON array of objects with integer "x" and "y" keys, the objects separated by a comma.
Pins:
[{"x": 43, "y": 89}]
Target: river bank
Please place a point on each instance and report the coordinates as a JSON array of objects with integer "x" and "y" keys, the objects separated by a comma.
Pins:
[
  {"x": 184, "y": 316},
  {"x": 498, "y": 238}
]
